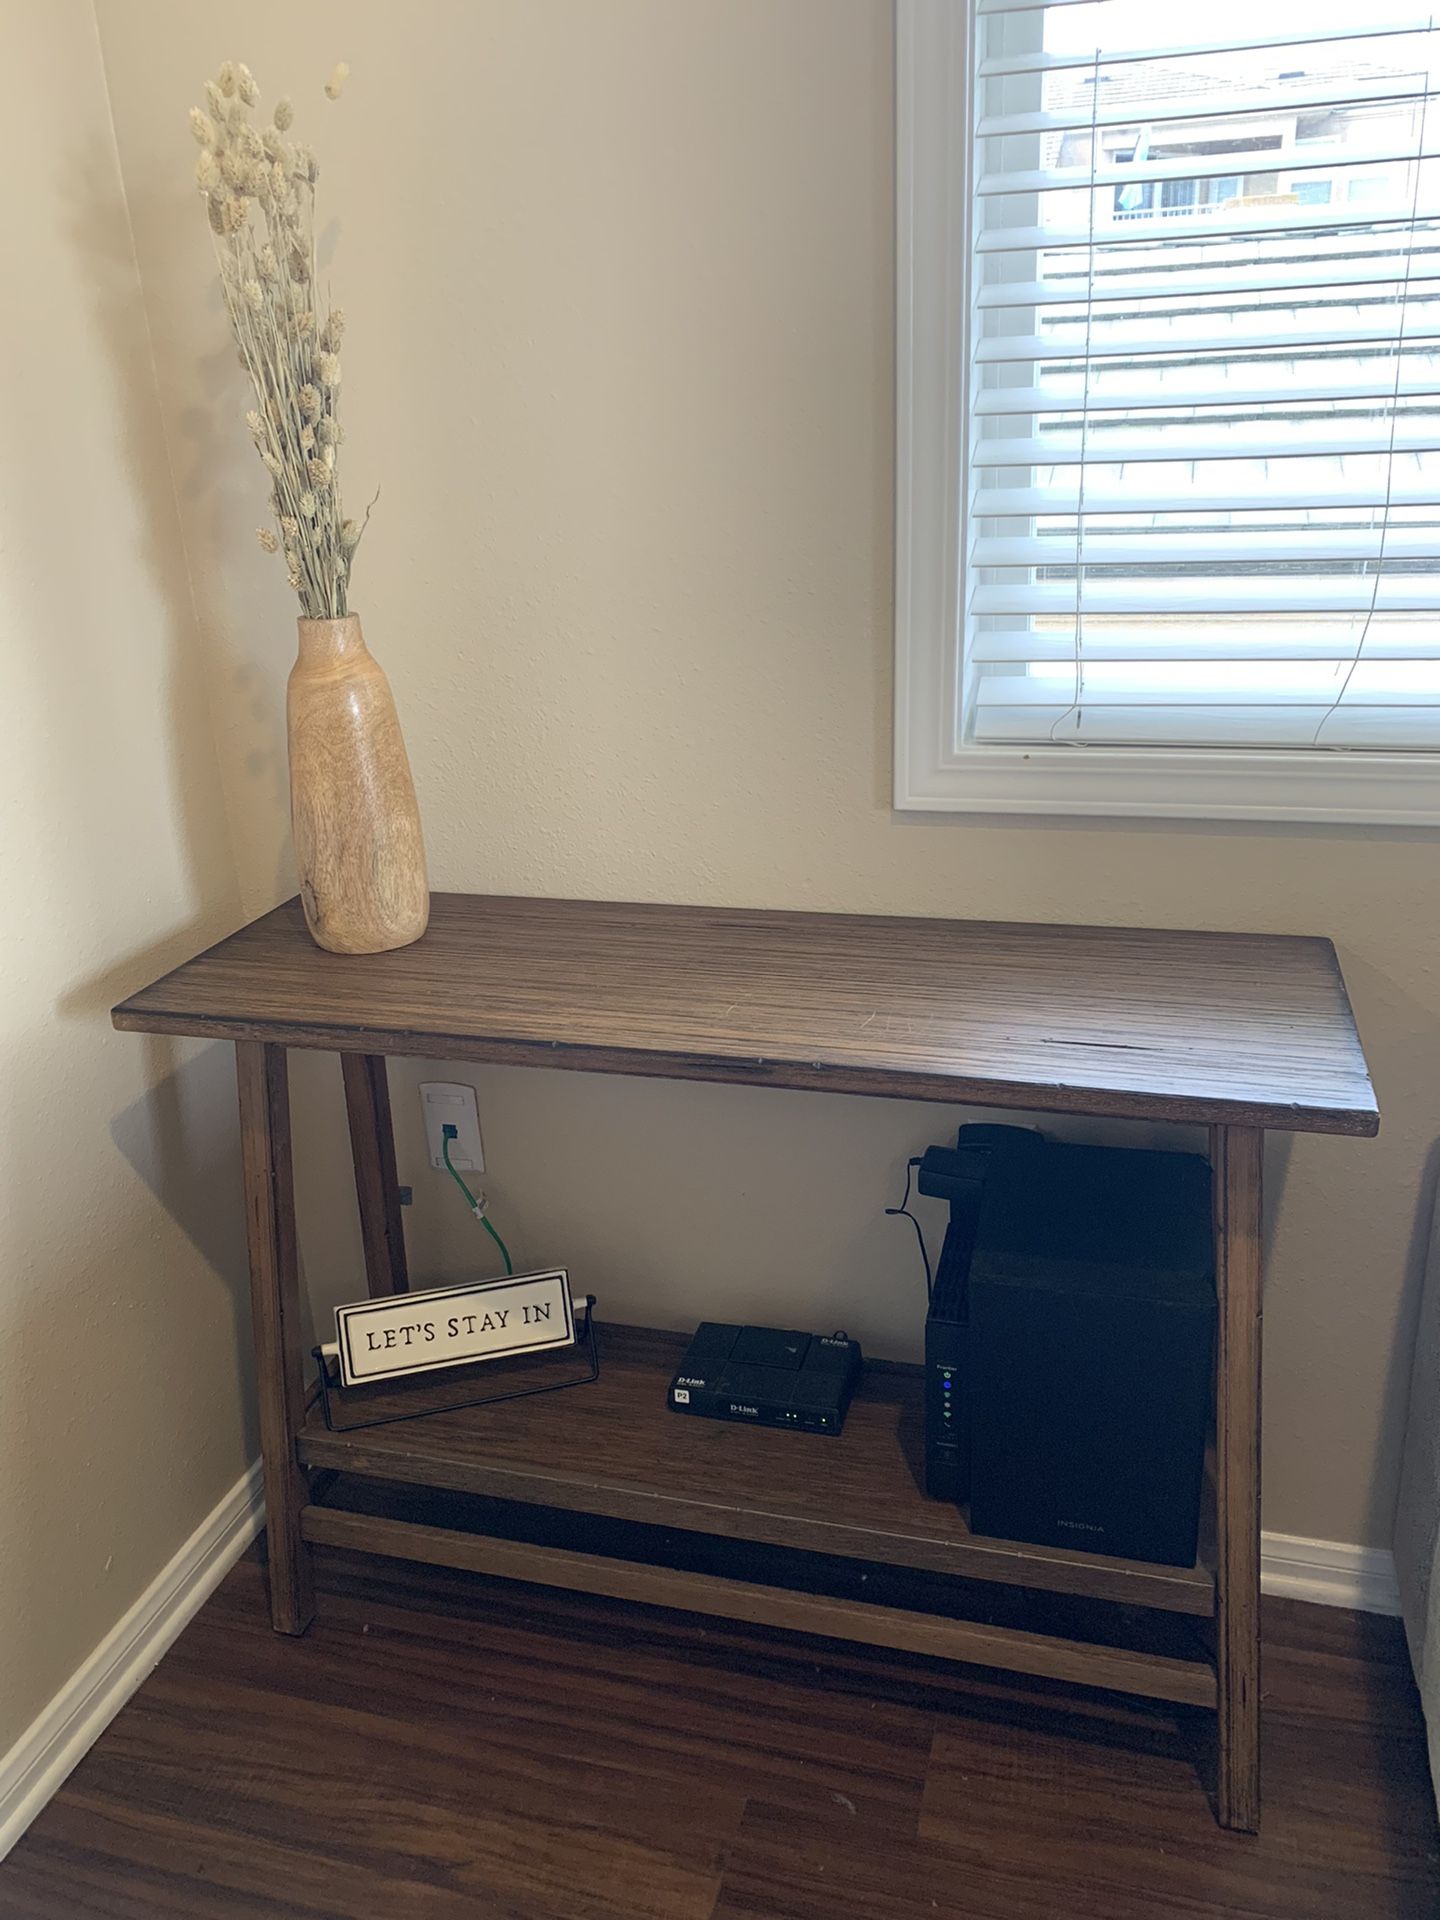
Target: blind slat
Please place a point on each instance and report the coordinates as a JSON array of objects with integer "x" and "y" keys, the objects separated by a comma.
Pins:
[
  {"x": 1200, "y": 105},
  {"x": 1104, "y": 447},
  {"x": 997, "y": 402},
  {"x": 1229, "y": 642},
  {"x": 1002, "y": 503},
  {"x": 1055, "y": 690},
  {"x": 988, "y": 8},
  {"x": 1395, "y": 729},
  {"x": 1159, "y": 548},
  {"x": 1406, "y": 593},
  {"x": 1216, "y": 223},
  {"x": 1310, "y": 157},
  {"x": 998, "y": 66},
  {"x": 1003, "y": 349},
  {"x": 1233, "y": 282}
]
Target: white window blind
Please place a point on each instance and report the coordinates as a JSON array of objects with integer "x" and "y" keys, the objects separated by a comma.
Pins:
[{"x": 1204, "y": 412}]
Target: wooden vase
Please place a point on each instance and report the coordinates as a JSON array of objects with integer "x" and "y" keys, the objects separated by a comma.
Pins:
[{"x": 352, "y": 801}]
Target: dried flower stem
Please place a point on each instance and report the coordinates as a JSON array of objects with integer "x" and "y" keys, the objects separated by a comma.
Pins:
[{"x": 268, "y": 279}]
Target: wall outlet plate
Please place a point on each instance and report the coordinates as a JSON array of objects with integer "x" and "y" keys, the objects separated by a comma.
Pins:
[{"x": 443, "y": 1103}]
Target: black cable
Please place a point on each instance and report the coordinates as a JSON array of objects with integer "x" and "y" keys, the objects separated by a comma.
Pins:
[{"x": 904, "y": 1208}]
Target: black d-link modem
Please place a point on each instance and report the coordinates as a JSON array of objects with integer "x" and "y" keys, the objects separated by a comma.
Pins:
[{"x": 767, "y": 1377}]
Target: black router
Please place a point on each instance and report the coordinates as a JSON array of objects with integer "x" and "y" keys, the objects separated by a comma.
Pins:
[{"x": 767, "y": 1377}]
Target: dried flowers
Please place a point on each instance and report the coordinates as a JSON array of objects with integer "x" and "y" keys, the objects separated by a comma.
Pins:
[{"x": 259, "y": 191}]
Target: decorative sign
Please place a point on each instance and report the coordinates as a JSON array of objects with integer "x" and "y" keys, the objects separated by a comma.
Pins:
[{"x": 419, "y": 1332}]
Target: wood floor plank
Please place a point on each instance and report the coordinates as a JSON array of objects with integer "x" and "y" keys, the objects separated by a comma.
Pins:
[
  {"x": 387, "y": 1813},
  {"x": 997, "y": 1800},
  {"x": 444, "y": 1747},
  {"x": 100, "y": 1860}
]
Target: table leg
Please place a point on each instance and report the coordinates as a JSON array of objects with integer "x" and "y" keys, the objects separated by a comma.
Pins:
[
  {"x": 1236, "y": 1154},
  {"x": 377, "y": 1185},
  {"x": 263, "y": 1082}
]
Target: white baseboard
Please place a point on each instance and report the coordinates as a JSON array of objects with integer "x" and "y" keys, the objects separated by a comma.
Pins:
[
  {"x": 1328, "y": 1573},
  {"x": 60, "y": 1737}
]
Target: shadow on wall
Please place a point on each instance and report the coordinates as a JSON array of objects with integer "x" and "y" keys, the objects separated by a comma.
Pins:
[
  {"x": 120, "y": 329},
  {"x": 225, "y": 491},
  {"x": 173, "y": 1136},
  {"x": 234, "y": 644},
  {"x": 238, "y": 610},
  {"x": 186, "y": 1156}
]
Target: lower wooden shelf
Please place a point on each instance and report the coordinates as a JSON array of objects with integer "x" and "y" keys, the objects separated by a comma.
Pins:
[
  {"x": 1187, "y": 1680},
  {"x": 613, "y": 1449}
]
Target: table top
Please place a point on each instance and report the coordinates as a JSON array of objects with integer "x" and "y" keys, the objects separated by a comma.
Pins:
[{"x": 1237, "y": 1029}]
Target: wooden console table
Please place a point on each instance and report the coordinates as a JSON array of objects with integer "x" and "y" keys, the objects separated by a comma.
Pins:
[{"x": 1239, "y": 1032}]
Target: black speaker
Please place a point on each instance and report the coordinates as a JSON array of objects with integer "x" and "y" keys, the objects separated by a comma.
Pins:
[
  {"x": 1091, "y": 1325},
  {"x": 956, "y": 1175}
]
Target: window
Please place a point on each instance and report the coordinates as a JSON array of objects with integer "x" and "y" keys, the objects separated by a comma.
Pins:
[{"x": 1168, "y": 501}]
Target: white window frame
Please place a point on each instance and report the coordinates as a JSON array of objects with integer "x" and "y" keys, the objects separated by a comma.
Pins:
[{"x": 933, "y": 771}]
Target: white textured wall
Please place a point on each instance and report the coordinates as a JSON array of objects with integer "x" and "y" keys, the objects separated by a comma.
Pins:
[
  {"x": 619, "y": 280},
  {"x": 122, "y": 1270}
]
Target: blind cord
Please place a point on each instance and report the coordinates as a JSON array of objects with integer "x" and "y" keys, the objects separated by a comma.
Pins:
[
  {"x": 1350, "y": 671},
  {"x": 1076, "y": 704}
]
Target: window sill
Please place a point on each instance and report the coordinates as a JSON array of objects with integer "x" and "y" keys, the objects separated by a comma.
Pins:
[{"x": 1374, "y": 789}]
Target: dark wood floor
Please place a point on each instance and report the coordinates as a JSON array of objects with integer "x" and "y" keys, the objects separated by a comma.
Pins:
[{"x": 439, "y": 1747}]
